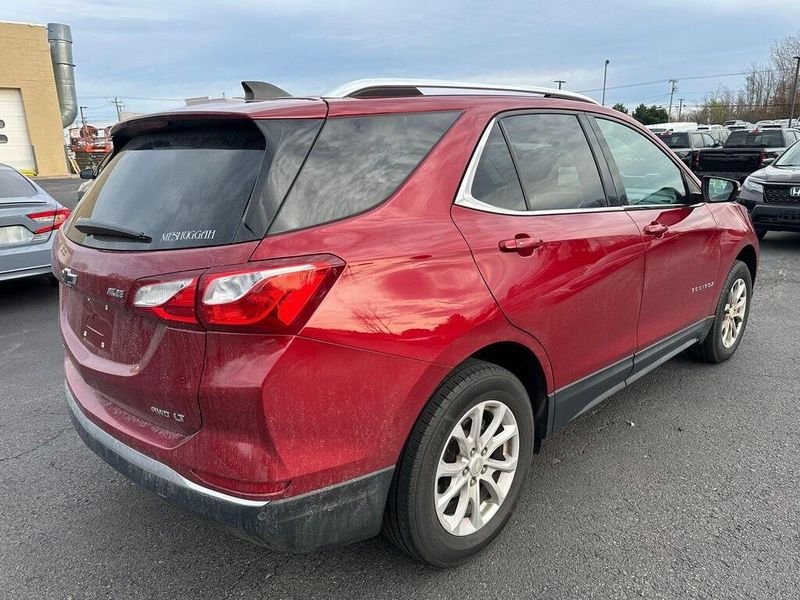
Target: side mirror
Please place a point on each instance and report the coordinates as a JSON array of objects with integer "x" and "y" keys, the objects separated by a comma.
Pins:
[
  {"x": 87, "y": 173},
  {"x": 767, "y": 161},
  {"x": 717, "y": 189}
]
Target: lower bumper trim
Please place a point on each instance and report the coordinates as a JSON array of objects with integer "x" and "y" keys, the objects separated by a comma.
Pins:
[{"x": 333, "y": 516}]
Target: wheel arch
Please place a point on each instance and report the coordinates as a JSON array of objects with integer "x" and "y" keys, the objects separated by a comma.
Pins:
[
  {"x": 525, "y": 366},
  {"x": 749, "y": 257}
]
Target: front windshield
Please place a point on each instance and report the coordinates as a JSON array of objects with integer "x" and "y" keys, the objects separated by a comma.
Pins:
[{"x": 790, "y": 158}]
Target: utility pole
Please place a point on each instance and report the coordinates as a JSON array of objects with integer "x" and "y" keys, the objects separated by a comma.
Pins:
[
  {"x": 559, "y": 82},
  {"x": 83, "y": 119},
  {"x": 680, "y": 108},
  {"x": 119, "y": 104},
  {"x": 794, "y": 89},
  {"x": 674, "y": 83},
  {"x": 605, "y": 78}
]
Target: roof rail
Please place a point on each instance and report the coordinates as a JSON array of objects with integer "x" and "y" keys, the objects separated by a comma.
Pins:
[
  {"x": 382, "y": 87},
  {"x": 261, "y": 90}
]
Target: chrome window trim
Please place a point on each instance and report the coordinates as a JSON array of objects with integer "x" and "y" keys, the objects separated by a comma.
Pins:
[{"x": 465, "y": 198}]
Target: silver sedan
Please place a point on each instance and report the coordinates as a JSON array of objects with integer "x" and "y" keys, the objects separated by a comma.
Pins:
[{"x": 28, "y": 218}]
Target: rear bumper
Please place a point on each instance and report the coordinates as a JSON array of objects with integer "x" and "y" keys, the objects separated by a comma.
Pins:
[
  {"x": 333, "y": 516},
  {"x": 26, "y": 261},
  {"x": 739, "y": 176}
]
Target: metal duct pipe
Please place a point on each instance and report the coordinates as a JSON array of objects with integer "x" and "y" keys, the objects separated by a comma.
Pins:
[{"x": 59, "y": 37}]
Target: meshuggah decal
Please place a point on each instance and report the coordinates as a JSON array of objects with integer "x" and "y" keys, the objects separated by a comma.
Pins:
[{"x": 192, "y": 234}]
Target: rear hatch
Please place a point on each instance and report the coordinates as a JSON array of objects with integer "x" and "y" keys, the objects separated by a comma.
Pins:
[
  {"x": 27, "y": 216},
  {"x": 179, "y": 197}
]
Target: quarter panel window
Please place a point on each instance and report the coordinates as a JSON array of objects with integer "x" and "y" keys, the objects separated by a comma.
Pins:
[
  {"x": 495, "y": 181},
  {"x": 648, "y": 175},
  {"x": 357, "y": 163},
  {"x": 555, "y": 162}
]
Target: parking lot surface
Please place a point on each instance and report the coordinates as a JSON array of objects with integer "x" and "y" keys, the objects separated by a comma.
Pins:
[{"x": 685, "y": 485}]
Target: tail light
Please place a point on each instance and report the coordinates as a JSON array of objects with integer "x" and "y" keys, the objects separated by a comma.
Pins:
[
  {"x": 276, "y": 296},
  {"x": 695, "y": 160},
  {"x": 50, "y": 220},
  {"x": 269, "y": 297},
  {"x": 172, "y": 300},
  {"x": 762, "y": 156}
]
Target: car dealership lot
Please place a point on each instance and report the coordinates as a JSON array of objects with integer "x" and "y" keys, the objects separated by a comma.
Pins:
[{"x": 685, "y": 485}]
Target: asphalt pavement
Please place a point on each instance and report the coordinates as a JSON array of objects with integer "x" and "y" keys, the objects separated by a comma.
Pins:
[{"x": 686, "y": 485}]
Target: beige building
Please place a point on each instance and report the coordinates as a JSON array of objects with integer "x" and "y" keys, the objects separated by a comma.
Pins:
[{"x": 31, "y": 116}]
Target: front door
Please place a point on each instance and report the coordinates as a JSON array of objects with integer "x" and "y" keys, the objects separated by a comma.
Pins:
[
  {"x": 681, "y": 238},
  {"x": 562, "y": 264}
]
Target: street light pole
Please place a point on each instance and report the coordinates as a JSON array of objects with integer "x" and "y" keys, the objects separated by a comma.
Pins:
[
  {"x": 794, "y": 89},
  {"x": 680, "y": 108},
  {"x": 559, "y": 82},
  {"x": 605, "y": 78}
]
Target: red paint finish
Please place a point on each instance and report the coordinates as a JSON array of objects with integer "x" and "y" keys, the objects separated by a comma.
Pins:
[
  {"x": 681, "y": 263},
  {"x": 576, "y": 293},
  {"x": 423, "y": 286}
]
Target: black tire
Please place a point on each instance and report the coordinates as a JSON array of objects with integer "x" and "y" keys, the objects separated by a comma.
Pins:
[
  {"x": 711, "y": 349},
  {"x": 761, "y": 233},
  {"x": 410, "y": 520}
]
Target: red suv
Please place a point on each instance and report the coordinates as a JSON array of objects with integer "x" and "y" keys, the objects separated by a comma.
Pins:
[{"x": 313, "y": 319}]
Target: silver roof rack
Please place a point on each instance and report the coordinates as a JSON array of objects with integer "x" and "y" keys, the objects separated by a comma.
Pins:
[{"x": 376, "y": 88}]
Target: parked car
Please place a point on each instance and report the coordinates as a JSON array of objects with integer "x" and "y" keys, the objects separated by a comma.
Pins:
[
  {"x": 719, "y": 135},
  {"x": 674, "y": 126},
  {"x": 739, "y": 125},
  {"x": 687, "y": 145},
  {"x": 745, "y": 152},
  {"x": 28, "y": 217},
  {"x": 314, "y": 318},
  {"x": 772, "y": 194}
]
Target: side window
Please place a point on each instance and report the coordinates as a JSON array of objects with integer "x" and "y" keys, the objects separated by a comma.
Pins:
[
  {"x": 357, "y": 163},
  {"x": 555, "y": 162},
  {"x": 495, "y": 181},
  {"x": 709, "y": 141},
  {"x": 648, "y": 175}
]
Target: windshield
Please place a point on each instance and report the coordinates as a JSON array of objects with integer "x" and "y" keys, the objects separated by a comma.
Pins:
[
  {"x": 759, "y": 139},
  {"x": 676, "y": 140},
  {"x": 790, "y": 158},
  {"x": 14, "y": 185}
]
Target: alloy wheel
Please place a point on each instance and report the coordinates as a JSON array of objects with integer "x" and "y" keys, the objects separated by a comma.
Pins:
[
  {"x": 733, "y": 317},
  {"x": 476, "y": 468}
]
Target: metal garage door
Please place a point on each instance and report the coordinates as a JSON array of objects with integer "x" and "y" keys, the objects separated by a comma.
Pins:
[{"x": 15, "y": 145}]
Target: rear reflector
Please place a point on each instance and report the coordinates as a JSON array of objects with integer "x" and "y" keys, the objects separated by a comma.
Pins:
[{"x": 276, "y": 296}]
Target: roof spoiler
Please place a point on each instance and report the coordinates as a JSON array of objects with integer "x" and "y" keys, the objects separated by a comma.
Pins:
[{"x": 261, "y": 90}]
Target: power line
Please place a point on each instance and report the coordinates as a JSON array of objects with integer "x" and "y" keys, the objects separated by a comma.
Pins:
[{"x": 689, "y": 78}]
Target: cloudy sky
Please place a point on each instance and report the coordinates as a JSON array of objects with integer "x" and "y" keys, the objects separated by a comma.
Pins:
[{"x": 154, "y": 53}]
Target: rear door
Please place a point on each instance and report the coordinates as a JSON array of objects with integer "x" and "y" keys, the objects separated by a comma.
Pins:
[
  {"x": 187, "y": 190},
  {"x": 563, "y": 263},
  {"x": 681, "y": 238}
]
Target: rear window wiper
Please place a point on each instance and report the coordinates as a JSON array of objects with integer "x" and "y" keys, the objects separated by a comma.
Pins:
[{"x": 95, "y": 227}]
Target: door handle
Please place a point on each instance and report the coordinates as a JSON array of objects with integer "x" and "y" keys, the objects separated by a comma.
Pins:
[
  {"x": 522, "y": 244},
  {"x": 655, "y": 228}
]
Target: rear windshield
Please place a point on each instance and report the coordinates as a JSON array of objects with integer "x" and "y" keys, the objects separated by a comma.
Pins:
[
  {"x": 768, "y": 138},
  {"x": 190, "y": 187},
  {"x": 357, "y": 163},
  {"x": 14, "y": 185},
  {"x": 676, "y": 140}
]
